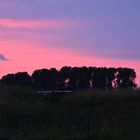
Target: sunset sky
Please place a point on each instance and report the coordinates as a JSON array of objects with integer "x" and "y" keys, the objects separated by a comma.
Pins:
[{"x": 38, "y": 34}]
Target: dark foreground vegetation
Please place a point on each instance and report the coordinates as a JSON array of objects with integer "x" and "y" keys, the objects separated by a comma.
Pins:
[
  {"x": 82, "y": 115},
  {"x": 74, "y": 78}
]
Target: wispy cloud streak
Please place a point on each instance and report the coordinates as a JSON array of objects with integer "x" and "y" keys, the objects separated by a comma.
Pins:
[{"x": 35, "y": 24}]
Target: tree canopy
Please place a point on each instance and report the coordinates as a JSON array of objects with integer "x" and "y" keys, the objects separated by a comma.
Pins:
[{"x": 74, "y": 78}]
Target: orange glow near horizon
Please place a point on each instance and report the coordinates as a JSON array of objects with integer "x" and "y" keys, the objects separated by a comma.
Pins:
[{"x": 25, "y": 56}]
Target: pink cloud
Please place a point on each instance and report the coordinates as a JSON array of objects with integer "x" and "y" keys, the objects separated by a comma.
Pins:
[
  {"x": 39, "y": 38},
  {"x": 36, "y": 24}
]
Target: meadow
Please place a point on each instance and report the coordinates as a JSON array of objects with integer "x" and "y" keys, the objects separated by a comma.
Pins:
[{"x": 81, "y": 115}]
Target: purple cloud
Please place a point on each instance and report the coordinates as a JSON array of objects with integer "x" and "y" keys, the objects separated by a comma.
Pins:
[
  {"x": 7, "y": 5},
  {"x": 2, "y": 57}
]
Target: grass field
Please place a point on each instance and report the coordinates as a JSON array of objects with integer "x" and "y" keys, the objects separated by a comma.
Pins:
[{"x": 82, "y": 115}]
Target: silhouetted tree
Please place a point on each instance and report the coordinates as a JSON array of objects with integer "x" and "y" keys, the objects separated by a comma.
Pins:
[
  {"x": 75, "y": 78},
  {"x": 111, "y": 78},
  {"x": 23, "y": 79},
  {"x": 126, "y": 78},
  {"x": 20, "y": 78},
  {"x": 45, "y": 79},
  {"x": 83, "y": 80},
  {"x": 40, "y": 79},
  {"x": 64, "y": 77},
  {"x": 53, "y": 78},
  {"x": 99, "y": 78},
  {"x": 8, "y": 79}
]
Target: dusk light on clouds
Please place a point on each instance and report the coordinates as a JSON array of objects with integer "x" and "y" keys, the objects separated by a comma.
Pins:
[{"x": 54, "y": 33}]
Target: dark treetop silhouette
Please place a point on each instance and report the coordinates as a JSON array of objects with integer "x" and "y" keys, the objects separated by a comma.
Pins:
[{"x": 74, "y": 78}]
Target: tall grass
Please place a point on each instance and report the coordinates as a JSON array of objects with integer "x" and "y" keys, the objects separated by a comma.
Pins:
[{"x": 82, "y": 115}]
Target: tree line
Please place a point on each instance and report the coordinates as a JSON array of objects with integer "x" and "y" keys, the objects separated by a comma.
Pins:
[{"x": 74, "y": 78}]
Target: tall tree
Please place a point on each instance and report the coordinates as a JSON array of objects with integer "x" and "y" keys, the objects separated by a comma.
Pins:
[
  {"x": 23, "y": 79},
  {"x": 126, "y": 78},
  {"x": 111, "y": 78},
  {"x": 75, "y": 78},
  {"x": 40, "y": 79},
  {"x": 20, "y": 78},
  {"x": 64, "y": 77},
  {"x": 83, "y": 78},
  {"x": 99, "y": 78},
  {"x": 8, "y": 79}
]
